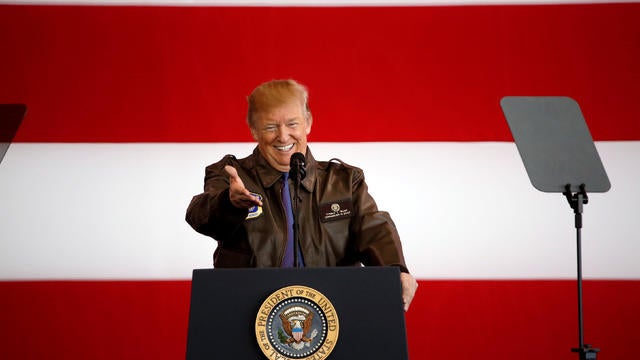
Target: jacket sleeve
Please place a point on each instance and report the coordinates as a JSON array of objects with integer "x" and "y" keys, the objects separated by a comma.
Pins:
[
  {"x": 375, "y": 233},
  {"x": 211, "y": 212}
]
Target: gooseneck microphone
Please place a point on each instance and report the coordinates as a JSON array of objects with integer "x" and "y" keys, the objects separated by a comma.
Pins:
[{"x": 297, "y": 174}]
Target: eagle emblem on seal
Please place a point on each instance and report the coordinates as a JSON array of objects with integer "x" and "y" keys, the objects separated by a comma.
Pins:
[{"x": 296, "y": 323}]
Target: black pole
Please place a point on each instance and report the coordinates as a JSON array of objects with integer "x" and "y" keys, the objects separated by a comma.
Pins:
[
  {"x": 576, "y": 201},
  {"x": 298, "y": 173},
  {"x": 579, "y": 250},
  {"x": 296, "y": 216}
]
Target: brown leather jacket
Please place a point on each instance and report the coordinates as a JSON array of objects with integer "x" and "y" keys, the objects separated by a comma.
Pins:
[{"x": 340, "y": 224}]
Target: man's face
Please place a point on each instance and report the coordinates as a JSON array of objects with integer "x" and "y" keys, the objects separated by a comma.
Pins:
[{"x": 281, "y": 132}]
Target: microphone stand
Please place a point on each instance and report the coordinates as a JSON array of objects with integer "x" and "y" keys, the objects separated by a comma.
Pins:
[{"x": 298, "y": 173}]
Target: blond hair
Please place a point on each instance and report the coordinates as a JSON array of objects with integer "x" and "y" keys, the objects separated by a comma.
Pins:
[{"x": 274, "y": 93}]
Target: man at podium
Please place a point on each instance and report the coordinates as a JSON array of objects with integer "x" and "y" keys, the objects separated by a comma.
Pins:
[{"x": 247, "y": 204}]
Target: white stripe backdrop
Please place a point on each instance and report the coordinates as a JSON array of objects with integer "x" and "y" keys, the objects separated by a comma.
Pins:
[{"x": 463, "y": 210}]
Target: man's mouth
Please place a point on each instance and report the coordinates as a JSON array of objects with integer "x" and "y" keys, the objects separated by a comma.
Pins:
[{"x": 284, "y": 148}]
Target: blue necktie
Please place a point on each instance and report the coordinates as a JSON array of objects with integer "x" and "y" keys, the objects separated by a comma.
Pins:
[{"x": 287, "y": 261}]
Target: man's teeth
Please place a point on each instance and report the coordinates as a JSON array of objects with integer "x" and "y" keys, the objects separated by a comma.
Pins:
[{"x": 284, "y": 148}]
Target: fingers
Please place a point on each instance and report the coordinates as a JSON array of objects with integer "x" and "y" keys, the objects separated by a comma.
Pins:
[
  {"x": 239, "y": 196},
  {"x": 409, "y": 287}
]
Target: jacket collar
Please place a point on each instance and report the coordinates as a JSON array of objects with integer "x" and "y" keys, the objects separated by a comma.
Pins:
[{"x": 269, "y": 176}]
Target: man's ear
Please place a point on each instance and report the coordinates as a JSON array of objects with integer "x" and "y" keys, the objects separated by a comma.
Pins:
[
  {"x": 254, "y": 133},
  {"x": 309, "y": 122}
]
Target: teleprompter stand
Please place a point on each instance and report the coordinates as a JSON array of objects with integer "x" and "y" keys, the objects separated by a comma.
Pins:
[{"x": 559, "y": 155}]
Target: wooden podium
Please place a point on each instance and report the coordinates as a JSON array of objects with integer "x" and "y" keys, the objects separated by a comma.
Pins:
[{"x": 228, "y": 306}]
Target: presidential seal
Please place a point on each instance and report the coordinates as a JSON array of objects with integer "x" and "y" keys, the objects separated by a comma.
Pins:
[{"x": 297, "y": 322}]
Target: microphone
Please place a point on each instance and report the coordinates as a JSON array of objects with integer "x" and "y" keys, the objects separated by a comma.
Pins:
[
  {"x": 296, "y": 164},
  {"x": 297, "y": 173}
]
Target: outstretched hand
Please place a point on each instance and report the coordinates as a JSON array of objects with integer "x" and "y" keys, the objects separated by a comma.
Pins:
[{"x": 238, "y": 194}]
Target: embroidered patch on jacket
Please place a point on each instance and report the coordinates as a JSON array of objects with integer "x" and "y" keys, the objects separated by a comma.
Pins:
[
  {"x": 336, "y": 210},
  {"x": 256, "y": 210}
]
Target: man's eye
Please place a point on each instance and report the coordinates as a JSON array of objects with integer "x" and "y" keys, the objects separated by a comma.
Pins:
[{"x": 292, "y": 124}]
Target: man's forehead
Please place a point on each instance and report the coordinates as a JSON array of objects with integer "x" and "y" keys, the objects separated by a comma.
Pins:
[{"x": 282, "y": 113}]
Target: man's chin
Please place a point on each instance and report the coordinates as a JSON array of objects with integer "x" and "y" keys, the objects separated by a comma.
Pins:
[{"x": 281, "y": 165}]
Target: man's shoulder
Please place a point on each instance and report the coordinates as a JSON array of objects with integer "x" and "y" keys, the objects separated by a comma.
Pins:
[
  {"x": 336, "y": 165},
  {"x": 230, "y": 159}
]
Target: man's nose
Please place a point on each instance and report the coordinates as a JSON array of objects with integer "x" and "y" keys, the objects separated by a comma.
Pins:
[{"x": 283, "y": 133}]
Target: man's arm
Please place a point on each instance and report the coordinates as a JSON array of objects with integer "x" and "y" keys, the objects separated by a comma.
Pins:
[
  {"x": 212, "y": 212},
  {"x": 378, "y": 238}
]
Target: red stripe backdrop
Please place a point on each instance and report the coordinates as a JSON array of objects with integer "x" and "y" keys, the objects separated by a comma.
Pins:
[
  {"x": 497, "y": 320},
  {"x": 165, "y": 74}
]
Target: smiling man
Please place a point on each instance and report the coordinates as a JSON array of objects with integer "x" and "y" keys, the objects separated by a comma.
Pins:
[{"x": 245, "y": 205}]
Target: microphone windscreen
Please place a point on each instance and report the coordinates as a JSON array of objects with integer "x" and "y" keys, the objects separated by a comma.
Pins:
[
  {"x": 297, "y": 166},
  {"x": 297, "y": 159}
]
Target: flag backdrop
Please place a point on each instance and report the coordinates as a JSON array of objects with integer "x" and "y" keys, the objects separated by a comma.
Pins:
[{"x": 128, "y": 104}]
